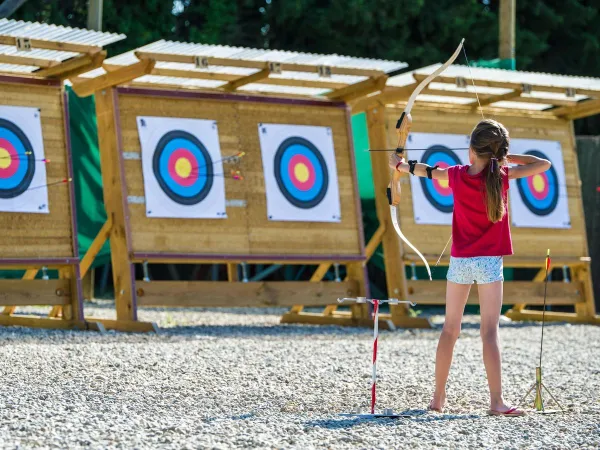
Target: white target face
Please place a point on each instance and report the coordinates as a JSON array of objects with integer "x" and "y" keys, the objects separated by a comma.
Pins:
[
  {"x": 433, "y": 199},
  {"x": 300, "y": 173},
  {"x": 23, "y": 185},
  {"x": 540, "y": 201},
  {"x": 182, "y": 167}
]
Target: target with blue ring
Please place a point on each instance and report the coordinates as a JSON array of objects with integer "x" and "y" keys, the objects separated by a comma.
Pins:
[
  {"x": 17, "y": 160},
  {"x": 438, "y": 192},
  {"x": 540, "y": 192},
  {"x": 183, "y": 167},
  {"x": 301, "y": 172}
]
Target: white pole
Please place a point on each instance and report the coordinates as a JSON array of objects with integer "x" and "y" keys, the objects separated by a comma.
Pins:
[{"x": 375, "y": 336}]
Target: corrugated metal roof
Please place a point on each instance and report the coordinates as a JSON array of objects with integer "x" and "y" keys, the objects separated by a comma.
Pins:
[
  {"x": 501, "y": 75},
  {"x": 486, "y": 75},
  {"x": 56, "y": 33},
  {"x": 291, "y": 82},
  {"x": 223, "y": 51},
  {"x": 47, "y": 33}
]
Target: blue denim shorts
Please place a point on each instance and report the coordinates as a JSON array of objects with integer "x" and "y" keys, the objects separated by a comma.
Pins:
[{"x": 480, "y": 269}]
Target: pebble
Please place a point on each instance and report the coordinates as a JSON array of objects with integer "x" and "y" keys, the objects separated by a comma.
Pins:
[{"x": 236, "y": 378}]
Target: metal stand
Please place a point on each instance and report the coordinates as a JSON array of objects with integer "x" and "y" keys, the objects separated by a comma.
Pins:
[
  {"x": 386, "y": 413},
  {"x": 538, "y": 402}
]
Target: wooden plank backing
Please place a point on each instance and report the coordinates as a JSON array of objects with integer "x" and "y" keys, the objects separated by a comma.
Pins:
[
  {"x": 28, "y": 235},
  {"x": 527, "y": 242},
  {"x": 425, "y": 292},
  {"x": 34, "y": 292},
  {"x": 247, "y": 230},
  {"x": 228, "y": 294}
]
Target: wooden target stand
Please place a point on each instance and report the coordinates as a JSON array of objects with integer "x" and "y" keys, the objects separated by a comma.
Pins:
[
  {"x": 40, "y": 242},
  {"x": 569, "y": 246},
  {"x": 246, "y": 236}
]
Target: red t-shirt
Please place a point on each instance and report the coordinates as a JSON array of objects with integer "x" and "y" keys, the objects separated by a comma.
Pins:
[{"x": 472, "y": 232}]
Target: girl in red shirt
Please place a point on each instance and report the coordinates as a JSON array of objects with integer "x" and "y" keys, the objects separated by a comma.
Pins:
[{"x": 480, "y": 238}]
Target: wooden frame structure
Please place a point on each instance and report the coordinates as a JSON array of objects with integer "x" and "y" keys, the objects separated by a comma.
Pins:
[
  {"x": 34, "y": 59},
  {"x": 211, "y": 82},
  {"x": 540, "y": 106}
]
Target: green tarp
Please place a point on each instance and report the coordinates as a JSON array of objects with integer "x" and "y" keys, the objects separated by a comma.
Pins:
[{"x": 87, "y": 176}]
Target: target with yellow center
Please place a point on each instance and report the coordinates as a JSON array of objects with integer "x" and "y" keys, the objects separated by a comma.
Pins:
[
  {"x": 17, "y": 160},
  {"x": 438, "y": 192},
  {"x": 540, "y": 192},
  {"x": 183, "y": 167},
  {"x": 301, "y": 172}
]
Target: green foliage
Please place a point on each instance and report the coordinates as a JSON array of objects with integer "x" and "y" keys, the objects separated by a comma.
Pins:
[{"x": 556, "y": 36}]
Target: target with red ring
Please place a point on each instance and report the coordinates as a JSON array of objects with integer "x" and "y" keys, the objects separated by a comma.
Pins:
[
  {"x": 539, "y": 192},
  {"x": 438, "y": 192},
  {"x": 301, "y": 172},
  {"x": 17, "y": 160},
  {"x": 183, "y": 167}
]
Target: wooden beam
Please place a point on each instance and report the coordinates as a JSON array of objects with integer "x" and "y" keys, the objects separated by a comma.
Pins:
[
  {"x": 512, "y": 261},
  {"x": 28, "y": 61},
  {"x": 252, "y": 78},
  {"x": 29, "y": 274},
  {"x": 552, "y": 316},
  {"x": 37, "y": 322},
  {"x": 34, "y": 292},
  {"x": 425, "y": 292},
  {"x": 51, "y": 45},
  {"x": 253, "y": 293},
  {"x": 509, "y": 85},
  {"x": 131, "y": 326},
  {"x": 358, "y": 90},
  {"x": 375, "y": 241},
  {"x": 95, "y": 247},
  {"x": 73, "y": 67},
  {"x": 584, "y": 108},
  {"x": 488, "y": 100},
  {"x": 123, "y": 75},
  {"x": 321, "y": 271},
  {"x": 386, "y": 322},
  {"x": 292, "y": 67},
  {"x": 109, "y": 141},
  {"x": 219, "y": 76}
]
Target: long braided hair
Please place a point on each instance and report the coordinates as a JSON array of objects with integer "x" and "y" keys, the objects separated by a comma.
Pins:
[{"x": 490, "y": 139}]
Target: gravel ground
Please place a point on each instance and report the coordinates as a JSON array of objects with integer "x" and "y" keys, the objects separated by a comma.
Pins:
[{"x": 234, "y": 378}]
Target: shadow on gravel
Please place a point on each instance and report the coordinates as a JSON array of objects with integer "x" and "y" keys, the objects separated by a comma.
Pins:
[{"x": 335, "y": 424}]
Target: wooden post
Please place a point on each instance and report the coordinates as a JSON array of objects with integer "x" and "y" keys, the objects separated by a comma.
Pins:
[
  {"x": 94, "y": 21},
  {"x": 507, "y": 29},
  {"x": 115, "y": 202},
  {"x": 395, "y": 272}
]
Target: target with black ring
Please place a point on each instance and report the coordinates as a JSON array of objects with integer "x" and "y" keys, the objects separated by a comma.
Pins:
[
  {"x": 541, "y": 200},
  {"x": 438, "y": 192},
  {"x": 17, "y": 160},
  {"x": 540, "y": 192},
  {"x": 299, "y": 166},
  {"x": 23, "y": 182},
  {"x": 433, "y": 200},
  {"x": 182, "y": 168},
  {"x": 301, "y": 172}
]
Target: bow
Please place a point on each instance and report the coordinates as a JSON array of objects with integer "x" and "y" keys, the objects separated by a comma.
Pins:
[{"x": 403, "y": 128}]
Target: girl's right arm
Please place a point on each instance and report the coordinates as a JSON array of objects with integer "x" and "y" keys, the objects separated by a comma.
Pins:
[{"x": 527, "y": 165}]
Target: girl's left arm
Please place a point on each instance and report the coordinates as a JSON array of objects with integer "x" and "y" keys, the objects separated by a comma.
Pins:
[{"x": 397, "y": 163}]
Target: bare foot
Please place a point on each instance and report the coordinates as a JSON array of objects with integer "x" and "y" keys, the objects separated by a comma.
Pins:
[{"x": 437, "y": 403}]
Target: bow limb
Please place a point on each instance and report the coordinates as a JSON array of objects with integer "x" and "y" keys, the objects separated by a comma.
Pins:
[
  {"x": 403, "y": 129},
  {"x": 406, "y": 241}
]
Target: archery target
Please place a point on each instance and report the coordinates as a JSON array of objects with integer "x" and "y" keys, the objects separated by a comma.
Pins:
[
  {"x": 182, "y": 168},
  {"x": 433, "y": 201},
  {"x": 23, "y": 185},
  {"x": 300, "y": 173},
  {"x": 540, "y": 201}
]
